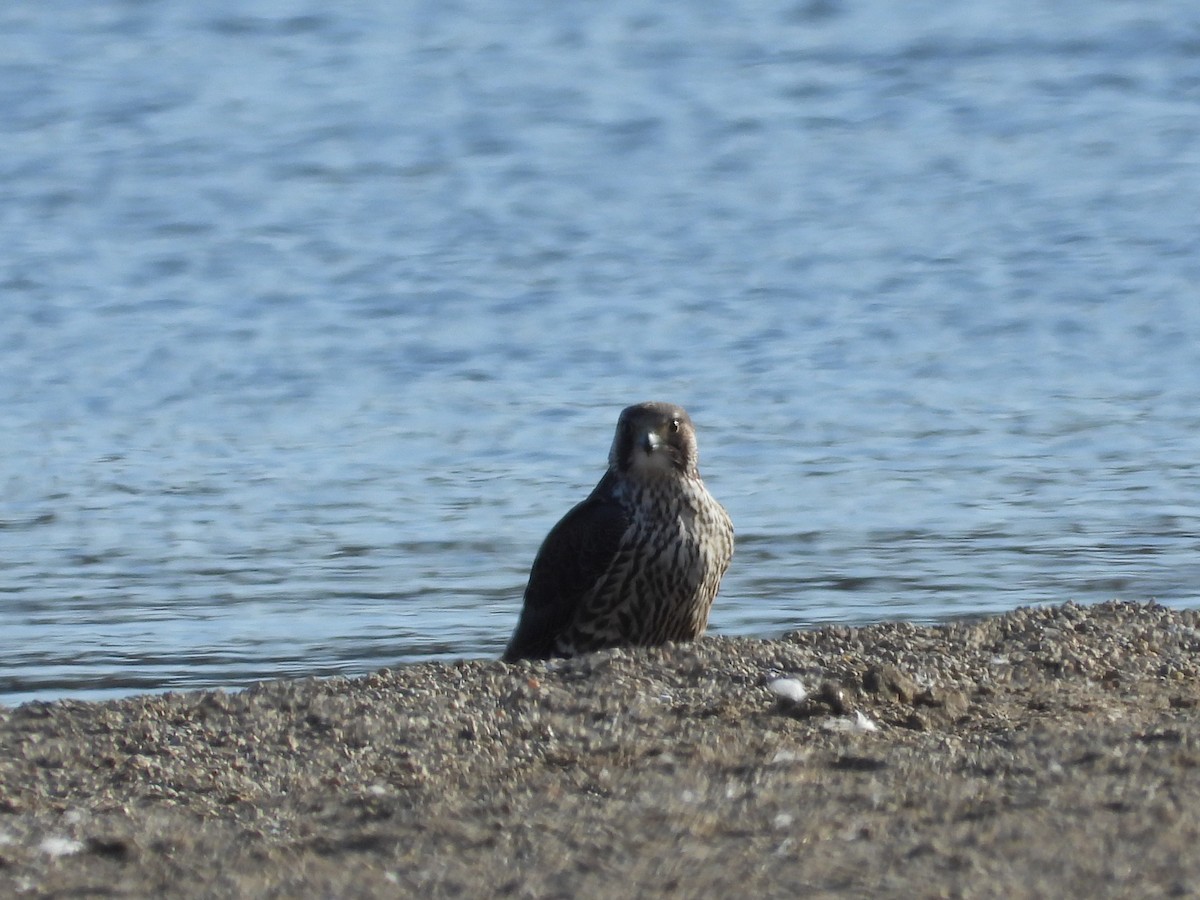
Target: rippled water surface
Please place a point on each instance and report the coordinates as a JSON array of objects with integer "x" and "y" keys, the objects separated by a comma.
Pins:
[{"x": 315, "y": 318}]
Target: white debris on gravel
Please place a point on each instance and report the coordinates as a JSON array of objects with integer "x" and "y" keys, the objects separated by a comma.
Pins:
[
  {"x": 788, "y": 689},
  {"x": 57, "y": 846},
  {"x": 860, "y": 722}
]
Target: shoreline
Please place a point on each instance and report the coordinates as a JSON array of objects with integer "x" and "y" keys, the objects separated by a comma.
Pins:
[{"x": 1046, "y": 751}]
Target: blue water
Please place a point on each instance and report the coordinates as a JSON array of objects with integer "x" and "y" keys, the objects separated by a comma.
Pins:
[{"x": 314, "y": 319}]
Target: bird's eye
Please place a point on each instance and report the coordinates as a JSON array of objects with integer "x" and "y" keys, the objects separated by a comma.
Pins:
[{"x": 674, "y": 426}]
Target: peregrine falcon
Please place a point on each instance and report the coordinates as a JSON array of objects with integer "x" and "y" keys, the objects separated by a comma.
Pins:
[{"x": 639, "y": 561}]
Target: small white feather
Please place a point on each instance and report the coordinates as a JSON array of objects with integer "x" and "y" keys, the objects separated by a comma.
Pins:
[{"x": 863, "y": 722}]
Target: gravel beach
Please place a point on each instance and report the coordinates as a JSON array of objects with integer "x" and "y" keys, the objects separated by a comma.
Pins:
[{"x": 1048, "y": 752}]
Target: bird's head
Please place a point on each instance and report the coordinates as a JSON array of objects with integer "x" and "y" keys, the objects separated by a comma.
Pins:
[{"x": 654, "y": 439}]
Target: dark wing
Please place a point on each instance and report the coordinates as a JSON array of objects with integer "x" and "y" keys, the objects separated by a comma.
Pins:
[{"x": 576, "y": 553}]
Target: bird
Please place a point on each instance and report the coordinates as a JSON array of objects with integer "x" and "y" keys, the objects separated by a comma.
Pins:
[{"x": 637, "y": 563}]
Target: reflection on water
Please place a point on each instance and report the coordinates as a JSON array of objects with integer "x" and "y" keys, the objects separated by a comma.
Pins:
[{"x": 301, "y": 355}]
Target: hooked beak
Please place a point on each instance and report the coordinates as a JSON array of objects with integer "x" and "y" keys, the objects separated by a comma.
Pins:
[{"x": 651, "y": 441}]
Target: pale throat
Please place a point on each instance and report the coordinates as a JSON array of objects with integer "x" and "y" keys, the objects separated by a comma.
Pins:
[{"x": 655, "y": 464}]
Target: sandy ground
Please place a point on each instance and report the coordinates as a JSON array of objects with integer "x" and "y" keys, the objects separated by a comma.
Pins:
[{"x": 1044, "y": 753}]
